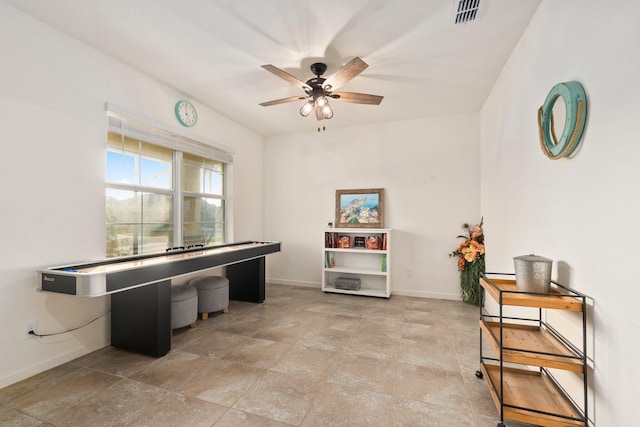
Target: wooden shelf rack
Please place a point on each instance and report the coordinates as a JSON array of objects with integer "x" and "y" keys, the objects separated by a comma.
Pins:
[{"x": 527, "y": 350}]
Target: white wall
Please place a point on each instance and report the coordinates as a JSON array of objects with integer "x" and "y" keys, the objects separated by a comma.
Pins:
[
  {"x": 582, "y": 212},
  {"x": 430, "y": 172},
  {"x": 52, "y": 117}
]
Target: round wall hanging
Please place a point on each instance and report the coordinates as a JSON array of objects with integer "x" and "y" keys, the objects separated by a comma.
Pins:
[{"x": 575, "y": 112}]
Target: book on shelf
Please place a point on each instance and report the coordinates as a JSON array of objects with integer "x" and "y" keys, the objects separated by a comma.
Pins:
[
  {"x": 329, "y": 261},
  {"x": 384, "y": 263},
  {"x": 373, "y": 242},
  {"x": 331, "y": 240}
]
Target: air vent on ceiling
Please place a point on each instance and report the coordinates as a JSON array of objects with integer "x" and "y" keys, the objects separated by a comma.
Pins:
[{"x": 465, "y": 10}]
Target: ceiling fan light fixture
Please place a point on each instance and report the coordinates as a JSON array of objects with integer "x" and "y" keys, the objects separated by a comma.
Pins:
[
  {"x": 321, "y": 101},
  {"x": 327, "y": 112},
  {"x": 306, "y": 108}
]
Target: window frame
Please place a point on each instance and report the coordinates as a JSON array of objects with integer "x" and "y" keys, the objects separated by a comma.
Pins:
[{"x": 177, "y": 191}]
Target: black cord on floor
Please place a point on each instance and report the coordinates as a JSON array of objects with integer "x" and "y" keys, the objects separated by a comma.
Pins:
[{"x": 68, "y": 330}]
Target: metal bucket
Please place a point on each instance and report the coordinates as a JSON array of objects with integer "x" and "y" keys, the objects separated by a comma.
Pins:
[{"x": 533, "y": 273}]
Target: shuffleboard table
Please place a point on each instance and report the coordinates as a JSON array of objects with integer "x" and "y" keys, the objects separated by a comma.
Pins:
[{"x": 140, "y": 287}]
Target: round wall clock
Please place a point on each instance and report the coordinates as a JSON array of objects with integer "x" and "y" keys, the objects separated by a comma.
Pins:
[
  {"x": 575, "y": 113},
  {"x": 186, "y": 113}
]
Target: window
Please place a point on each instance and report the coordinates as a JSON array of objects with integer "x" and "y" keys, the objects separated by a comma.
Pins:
[
  {"x": 158, "y": 197},
  {"x": 202, "y": 201}
]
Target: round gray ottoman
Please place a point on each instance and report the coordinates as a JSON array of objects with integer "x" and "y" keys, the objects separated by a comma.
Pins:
[
  {"x": 213, "y": 294},
  {"x": 184, "y": 306}
]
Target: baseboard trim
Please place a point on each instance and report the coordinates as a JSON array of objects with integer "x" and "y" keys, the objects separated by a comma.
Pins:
[
  {"x": 423, "y": 294},
  {"x": 401, "y": 292},
  {"x": 293, "y": 283}
]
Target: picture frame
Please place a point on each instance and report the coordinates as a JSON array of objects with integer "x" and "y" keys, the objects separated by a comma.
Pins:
[{"x": 360, "y": 208}]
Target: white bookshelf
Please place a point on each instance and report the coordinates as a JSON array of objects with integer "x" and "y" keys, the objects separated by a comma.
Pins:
[{"x": 371, "y": 266}]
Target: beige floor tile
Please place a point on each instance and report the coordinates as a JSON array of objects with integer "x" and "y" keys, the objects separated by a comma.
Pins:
[
  {"x": 366, "y": 373},
  {"x": 480, "y": 398},
  {"x": 176, "y": 410},
  {"x": 172, "y": 370},
  {"x": 280, "y": 397},
  {"x": 382, "y": 326},
  {"x": 373, "y": 345},
  {"x": 116, "y": 405},
  {"x": 406, "y": 413},
  {"x": 326, "y": 339},
  {"x": 185, "y": 336},
  {"x": 466, "y": 340},
  {"x": 94, "y": 358},
  {"x": 338, "y": 406},
  {"x": 431, "y": 335},
  {"x": 386, "y": 311},
  {"x": 426, "y": 305},
  {"x": 430, "y": 385},
  {"x": 423, "y": 354},
  {"x": 223, "y": 382},
  {"x": 234, "y": 418},
  {"x": 312, "y": 364},
  {"x": 287, "y": 329},
  {"x": 303, "y": 358},
  {"x": 215, "y": 344},
  {"x": 239, "y": 308},
  {"x": 63, "y": 393},
  {"x": 243, "y": 325},
  {"x": 258, "y": 352},
  {"x": 469, "y": 362},
  {"x": 8, "y": 394},
  {"x": 425, "y": 317},
  {"x": 121, "y": 362},
  {"x": 337, "y": 322},
  {"x": 15, "y": 418}
]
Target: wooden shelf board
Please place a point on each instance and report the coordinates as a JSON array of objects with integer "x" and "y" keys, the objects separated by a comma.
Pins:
[
  {"x": 511, "y": 295},
  {"x": 530, "y": 389},
  {"x": 355, "y": 270},
  {"x": 357, "y": 250},
  {"x": 371, "y": 292},
  {"x": 528, "y": 338}
]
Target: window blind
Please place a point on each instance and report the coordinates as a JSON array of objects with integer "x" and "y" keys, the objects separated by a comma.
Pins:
[{"x": 117, "y": 122}]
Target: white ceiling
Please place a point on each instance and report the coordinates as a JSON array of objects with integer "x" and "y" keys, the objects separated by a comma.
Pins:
[{"x": 211, "y": 51}]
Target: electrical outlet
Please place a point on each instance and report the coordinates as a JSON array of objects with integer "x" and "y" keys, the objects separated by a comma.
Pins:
[{"x": 29, "y": 327}]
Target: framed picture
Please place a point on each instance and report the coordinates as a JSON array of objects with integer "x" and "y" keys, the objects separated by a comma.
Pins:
[{"x": 360, "y": 208}]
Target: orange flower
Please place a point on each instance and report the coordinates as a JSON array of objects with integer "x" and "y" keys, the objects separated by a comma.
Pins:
[
  {"x": 478, "y": 246},
  {"x": 461, "y": 263}
]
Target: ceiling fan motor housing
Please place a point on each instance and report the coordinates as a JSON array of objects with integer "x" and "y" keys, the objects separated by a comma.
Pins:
[{"x": 318, "y": 68}]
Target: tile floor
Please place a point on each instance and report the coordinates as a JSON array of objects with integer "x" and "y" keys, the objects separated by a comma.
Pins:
[{"x": 303, "y": 358}]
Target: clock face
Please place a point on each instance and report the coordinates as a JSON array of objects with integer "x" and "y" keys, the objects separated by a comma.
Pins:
[{"x": 186, "y": 113}]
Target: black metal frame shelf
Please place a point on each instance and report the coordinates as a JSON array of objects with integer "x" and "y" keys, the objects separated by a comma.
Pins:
[{"x": 539, "y": 345}]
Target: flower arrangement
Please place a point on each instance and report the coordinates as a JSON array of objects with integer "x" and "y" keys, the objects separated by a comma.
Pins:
[{"x": 471, "y": 263}]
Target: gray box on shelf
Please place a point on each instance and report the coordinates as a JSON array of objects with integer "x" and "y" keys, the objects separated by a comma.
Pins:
[{"x": 347, "y": 283}]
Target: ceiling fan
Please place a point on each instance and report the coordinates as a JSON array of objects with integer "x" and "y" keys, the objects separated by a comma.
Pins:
[{"x": 319, "y": 90}]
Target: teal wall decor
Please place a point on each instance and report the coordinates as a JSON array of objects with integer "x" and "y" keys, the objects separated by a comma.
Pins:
[{"x": 575, "y": 102}]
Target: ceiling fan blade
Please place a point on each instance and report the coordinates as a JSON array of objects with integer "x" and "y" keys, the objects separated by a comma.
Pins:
[
  {"x": 357, "y": 98},
  {"x": 282, "y": 101},
  {"x": 286, "y": 76},
  {"x": 346, "y": 73}
]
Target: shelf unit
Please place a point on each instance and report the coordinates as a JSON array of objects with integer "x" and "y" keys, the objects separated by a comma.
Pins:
[
  {"x": 371, "y": 266},
  {"x": 521, "y": 377}
]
